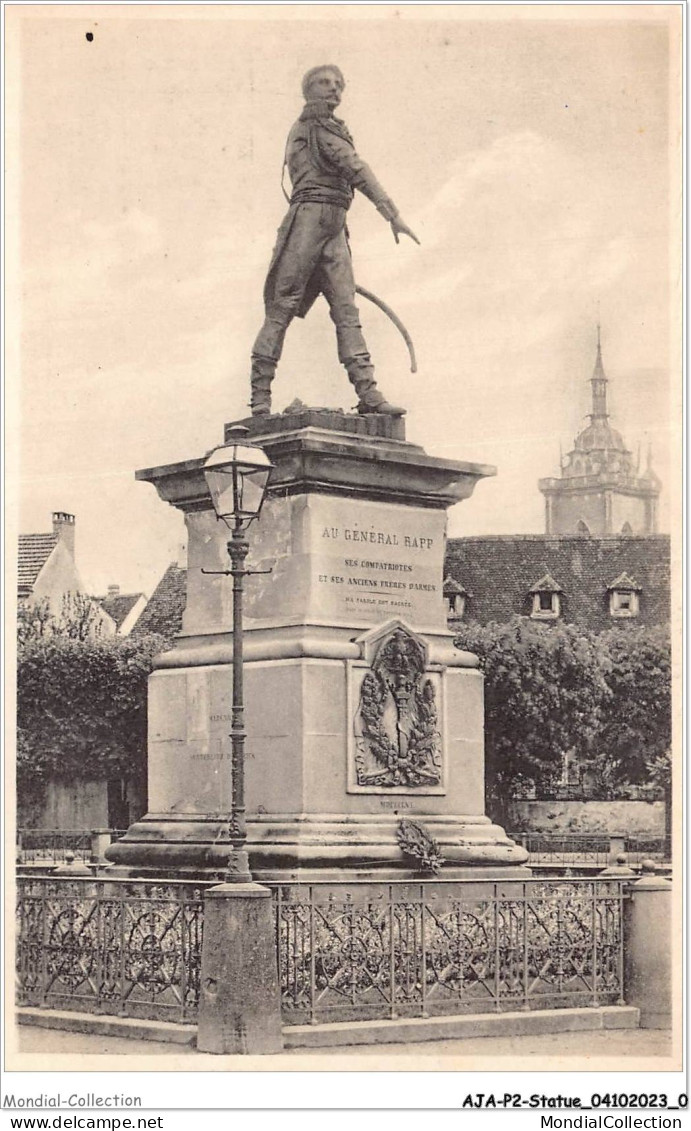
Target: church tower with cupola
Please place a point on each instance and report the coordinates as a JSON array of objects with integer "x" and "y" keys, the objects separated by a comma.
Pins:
[{"x": 601, "y": 489}]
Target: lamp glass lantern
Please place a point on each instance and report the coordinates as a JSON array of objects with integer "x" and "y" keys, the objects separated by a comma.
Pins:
[{"x": 237, "y": 475}]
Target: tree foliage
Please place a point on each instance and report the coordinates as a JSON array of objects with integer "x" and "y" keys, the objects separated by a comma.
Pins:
[
  {"x": 34, "y": 620},
  {"x": 550, "y": 690},
  {"x": 637, "y": 724},
  {"x": 660, "y": 771},
  {"x": 545, "y": 693},
  {"x": 81, "y": 709},
  {"x": 78, "y": 619}
]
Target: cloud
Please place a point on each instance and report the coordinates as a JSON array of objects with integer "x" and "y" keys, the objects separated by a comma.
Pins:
[
  {"x": 520, "y": 234},
  {"x": 86, "y": 258}
]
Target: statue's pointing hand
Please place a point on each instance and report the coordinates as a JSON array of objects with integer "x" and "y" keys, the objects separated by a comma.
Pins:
[{"x": 400, "y": 229}]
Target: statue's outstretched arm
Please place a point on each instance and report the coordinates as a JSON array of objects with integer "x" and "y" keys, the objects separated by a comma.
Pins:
[
  {"x": 342, "y": 155},
  {"x": 399, "y": 228}
]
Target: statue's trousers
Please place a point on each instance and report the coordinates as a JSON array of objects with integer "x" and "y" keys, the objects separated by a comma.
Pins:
[{"x": 311, "y": 257}]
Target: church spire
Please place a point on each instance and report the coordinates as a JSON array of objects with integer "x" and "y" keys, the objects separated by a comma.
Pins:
[
  {"x": 600, "y": 486},
  {"x": 598, "y": 383}
]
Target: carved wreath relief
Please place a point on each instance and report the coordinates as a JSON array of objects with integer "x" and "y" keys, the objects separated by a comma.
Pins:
[{"x": 397, "y": 737}]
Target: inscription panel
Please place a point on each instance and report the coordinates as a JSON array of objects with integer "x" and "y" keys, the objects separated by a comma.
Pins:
[
  {"x": 190, "y": 766},
  {"x": 374, "y": 561}
]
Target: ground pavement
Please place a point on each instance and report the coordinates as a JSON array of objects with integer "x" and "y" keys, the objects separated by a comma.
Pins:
[{"x": 630, "y": 1043}]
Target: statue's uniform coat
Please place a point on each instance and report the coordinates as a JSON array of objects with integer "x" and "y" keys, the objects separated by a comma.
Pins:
[{"x": 312, "y": 254}]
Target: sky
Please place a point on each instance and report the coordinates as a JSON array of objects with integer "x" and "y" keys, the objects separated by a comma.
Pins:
[{"x": 532, "y": 149}]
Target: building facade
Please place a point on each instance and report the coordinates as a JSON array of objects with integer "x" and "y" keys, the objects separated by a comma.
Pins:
[
  {"x": 48, "y": 577},
  {"x": 124, "y": 609},
  {"x": 601, "y": 564}
]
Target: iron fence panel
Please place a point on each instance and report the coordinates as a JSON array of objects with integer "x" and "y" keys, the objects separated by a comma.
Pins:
[
  {"x": 51, "y": 846},
  {"x": 580, "y": 848},
  {"x": 56, "y": 846},
  {"x": 549, "y": 848},
  {"x": 129, "y": 948},
  {"x": 376, "y": 950},
  {"x": 638, "y": 848}
]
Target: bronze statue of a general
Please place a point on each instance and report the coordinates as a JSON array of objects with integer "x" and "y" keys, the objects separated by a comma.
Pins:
[{"x": 312, "y": 255}]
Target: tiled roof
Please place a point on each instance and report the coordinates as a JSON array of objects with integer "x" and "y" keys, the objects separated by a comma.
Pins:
[
  {"x": 34, "y": 550},
  {"x": 500, "y": 571},
  {"x": 166, "y": 605},
  {"x": 120, "y": 606}
]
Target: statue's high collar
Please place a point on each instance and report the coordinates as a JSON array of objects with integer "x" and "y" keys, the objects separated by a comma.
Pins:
[{"x": 318, "y": 108}]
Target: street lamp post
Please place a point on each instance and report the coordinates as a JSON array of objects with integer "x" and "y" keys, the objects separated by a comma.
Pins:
[{"x": 237, "y": 475}]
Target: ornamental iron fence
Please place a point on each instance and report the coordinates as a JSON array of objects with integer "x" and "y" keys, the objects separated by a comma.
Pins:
[
  {"x": 57, "y": 846},
  {"x": 580, "y": 791},
  {"x": 356, "y": 951},
  {"x": 591, "y": 849},
  {"x": 346, "y": 951},
  {"x": 566, "y": 848},
  {"x": 128, "y": 948},
  {"x": 639, "y": 848}
]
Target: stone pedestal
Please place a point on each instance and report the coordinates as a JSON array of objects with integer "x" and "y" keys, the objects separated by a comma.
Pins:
[{"x": 359, "y": 710}]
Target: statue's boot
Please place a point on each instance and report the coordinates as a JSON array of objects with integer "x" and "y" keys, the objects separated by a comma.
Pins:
[
  {"x": 263, "y": 372},
  {"x": 371, "y": 399}
]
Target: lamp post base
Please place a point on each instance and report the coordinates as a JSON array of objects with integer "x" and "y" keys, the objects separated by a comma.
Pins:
[
  {"x": 238, "y": 870},
  {"x": 240, "y": 1004}
]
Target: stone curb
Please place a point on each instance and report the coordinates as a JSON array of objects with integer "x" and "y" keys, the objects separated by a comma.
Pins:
[
  {"x": 403, "y": 1030},
  {"x": 100, "y": 1026}
]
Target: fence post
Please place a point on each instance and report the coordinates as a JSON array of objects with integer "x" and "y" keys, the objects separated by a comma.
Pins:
[
  {"x": 619, "y": 868},
  {"x": 72, "y": 866},
  {"x": 617, "y": 845},
  {"x": 648, "y": 948},
  {"x": 240, "y": 1003},
  {"x": 100, "y": 839}
]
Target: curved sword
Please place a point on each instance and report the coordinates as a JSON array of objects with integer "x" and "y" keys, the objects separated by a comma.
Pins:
[{"x": 396, "y": 321}]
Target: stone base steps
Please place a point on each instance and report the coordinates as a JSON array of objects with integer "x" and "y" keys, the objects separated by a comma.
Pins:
[{"x": 339, "y": 1033}]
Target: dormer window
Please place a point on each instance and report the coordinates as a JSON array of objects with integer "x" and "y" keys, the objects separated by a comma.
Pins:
[
  {"x": 623, "y": 596},
  {"x": 455, "y": 597},
  {"x": 546, "y": 597}
]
